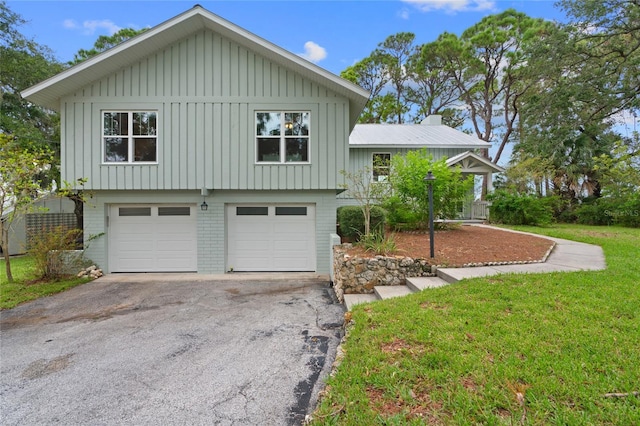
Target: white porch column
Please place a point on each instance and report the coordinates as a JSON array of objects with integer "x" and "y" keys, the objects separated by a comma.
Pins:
[{"x": 489, "y": 182}]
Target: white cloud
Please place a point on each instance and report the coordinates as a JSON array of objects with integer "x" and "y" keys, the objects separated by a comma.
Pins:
[
  {"x": 313, "y": 52},
  {"x": 90, "y": 27},
  {"x": 70, "y": 24},
  {"x": 452, "y": 6},
  {"x": 403, "y": 14}
]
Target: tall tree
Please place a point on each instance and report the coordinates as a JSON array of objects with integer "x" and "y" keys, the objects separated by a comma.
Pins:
[
  {"x": 430, "y": 89},
  {"x": 104, "y": 43},
  {"x": 587, "y": 73},
  {"x": 370, "y": 74},
  {"x": 25, "y": 63},
  {"x": 486, "y": 64},
  {"x": 21, "y": 171},
  {"x": 395, "y": 51}
]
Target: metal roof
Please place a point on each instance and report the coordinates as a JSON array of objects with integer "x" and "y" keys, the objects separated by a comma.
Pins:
[
  {"x": 412, "y": 136},
  {"x": 49, "y": 92}
]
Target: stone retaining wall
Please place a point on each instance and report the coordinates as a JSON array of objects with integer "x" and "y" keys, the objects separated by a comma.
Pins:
[{"x": 360, "y": 275}]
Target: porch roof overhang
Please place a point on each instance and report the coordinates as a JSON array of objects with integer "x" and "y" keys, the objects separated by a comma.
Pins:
[{"x": 471, "y": 162}]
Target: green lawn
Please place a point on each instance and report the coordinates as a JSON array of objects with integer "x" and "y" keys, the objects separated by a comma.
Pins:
[
  {"x": 515, "y": 349},
  {"x": 26, "y": 287}
]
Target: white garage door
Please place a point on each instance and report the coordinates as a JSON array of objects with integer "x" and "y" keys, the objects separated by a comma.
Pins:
[
  {"x": 152, "y": 238},
  {"x": 271, "y": 237}
]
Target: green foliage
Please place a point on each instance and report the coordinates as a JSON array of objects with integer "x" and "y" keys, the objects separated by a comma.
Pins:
[
  {"x": 46, "y": 249},
  {"x": 104, "y": 43},
  {"x": 378, "y": 243},
  {"x": 351, "y": 220},
  {"x": 519, "y": 209},
  {"x": 400, "y": 215},
  {"x": 408, "y": 204},
  {"x": 20, "y": 184},
  {"x": 585, "y": 73},
  {"x": 593, "y": 213},
  {"x": 624, "y": 211},
  {"x": 23, "y": 63},
  {"x": 620, "y": 169}
]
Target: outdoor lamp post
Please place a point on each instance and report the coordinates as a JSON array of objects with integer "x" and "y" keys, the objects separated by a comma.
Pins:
[{"x": 430, "y": 178}]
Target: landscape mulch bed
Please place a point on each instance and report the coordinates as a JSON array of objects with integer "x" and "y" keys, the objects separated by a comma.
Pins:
[{"x": 467, "y": 244}]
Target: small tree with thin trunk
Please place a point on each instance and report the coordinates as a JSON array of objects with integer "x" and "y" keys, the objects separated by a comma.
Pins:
[
  {"x": 21, "y": 171},
  {"x": 365, "y": 191}
]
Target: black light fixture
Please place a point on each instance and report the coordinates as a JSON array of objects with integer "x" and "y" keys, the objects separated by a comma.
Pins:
[
  {"x": 429, "y": 178},
  {"x": 204, "y": 206}
]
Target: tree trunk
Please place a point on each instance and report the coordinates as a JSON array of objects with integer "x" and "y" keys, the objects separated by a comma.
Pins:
[
  {"x": 78, "y": 210},
  {"x": 5, "y": 250}
]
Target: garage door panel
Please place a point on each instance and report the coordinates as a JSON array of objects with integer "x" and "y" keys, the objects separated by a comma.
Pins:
[
  {"x": 141, "y": 240},
  {"x": 271, "y": 238}
]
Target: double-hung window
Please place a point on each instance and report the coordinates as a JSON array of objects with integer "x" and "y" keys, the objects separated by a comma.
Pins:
[
  {"x": 381, "y": 166},
  {"x": 130, "y": 136},
  {"x": 282, "y": 137}
]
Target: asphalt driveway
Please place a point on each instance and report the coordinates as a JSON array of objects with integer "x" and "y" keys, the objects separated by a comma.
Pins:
[{"x": 169, "y": 350}]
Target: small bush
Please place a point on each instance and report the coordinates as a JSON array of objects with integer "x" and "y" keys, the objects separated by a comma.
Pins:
[
  {"x": 47, "y": 246},
  {"x": 378, "y": 243},
  {"x": 351, "y": 220},
  {"x": 518, "y": 209}
]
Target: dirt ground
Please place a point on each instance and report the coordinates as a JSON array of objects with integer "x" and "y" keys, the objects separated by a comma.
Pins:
[{"x": 467, "y": 244}]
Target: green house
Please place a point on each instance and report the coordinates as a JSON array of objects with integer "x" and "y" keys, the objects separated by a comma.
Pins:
[{"x": 206, "y": 148}]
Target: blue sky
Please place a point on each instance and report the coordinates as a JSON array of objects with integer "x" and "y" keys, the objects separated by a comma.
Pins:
[{"x": 333, "y": 34}]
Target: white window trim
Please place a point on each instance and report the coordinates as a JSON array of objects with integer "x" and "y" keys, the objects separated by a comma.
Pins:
[
  {"x": 130, "y": 137},
  {"x": 283, "y": 138},
  {"x": 373, "y": 165}
]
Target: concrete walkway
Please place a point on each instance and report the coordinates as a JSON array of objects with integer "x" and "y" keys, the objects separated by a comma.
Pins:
[{"x": 566, "y": 256}]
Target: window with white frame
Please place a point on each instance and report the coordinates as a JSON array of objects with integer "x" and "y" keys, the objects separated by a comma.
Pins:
[
  {"x": 130, "y": 136},
  {"x": 381, "y": 163},
  {"x": 282, "y": 137}
]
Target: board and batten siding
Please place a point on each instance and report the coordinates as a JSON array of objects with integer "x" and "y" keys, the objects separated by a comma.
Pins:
[{"x": 206, "y": 90}]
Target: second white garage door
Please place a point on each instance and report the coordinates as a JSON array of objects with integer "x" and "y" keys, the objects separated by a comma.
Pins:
[{"x": 277, "y": 238}]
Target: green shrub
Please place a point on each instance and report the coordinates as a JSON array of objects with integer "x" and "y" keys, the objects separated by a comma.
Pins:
[
  {"x": 624, "y": 211},
  {"x": 47, "y": 248},
  {"x": 400, "y": 215},
  {"x": 351, "y": 221},
  {"x": 519, "y": 209},
  {"x": 594, "y": 212},
  {"x": 378, "y": 243},
  {"x": 629, "y": 215},
  {"x": 610, "y": 211},
  {"x": 410, "y": 202}
]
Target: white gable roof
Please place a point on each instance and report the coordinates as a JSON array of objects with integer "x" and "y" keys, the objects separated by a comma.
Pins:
[
  {"x": 412, "y": 136},
  {"x": 471, "y": 162},
  {"x": 49, "y": 92}
]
